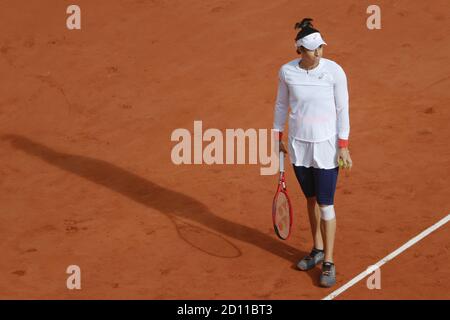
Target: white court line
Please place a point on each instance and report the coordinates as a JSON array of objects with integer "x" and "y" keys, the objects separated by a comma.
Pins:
[{"x": 389, "y": 257}]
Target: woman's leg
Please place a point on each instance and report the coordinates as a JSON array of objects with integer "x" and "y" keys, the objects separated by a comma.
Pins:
[
  {"x": 328, "y": 228},
  {"x": 314, "y": 221},
  {"x": 305, "y": 178},
  {"x": 325, "y": 181}
]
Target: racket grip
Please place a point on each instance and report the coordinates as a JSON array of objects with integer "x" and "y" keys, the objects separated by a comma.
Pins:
[{"x": 281, "y": 161}]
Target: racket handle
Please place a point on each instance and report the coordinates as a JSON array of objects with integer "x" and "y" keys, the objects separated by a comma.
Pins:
[{"x": 281, "y": 161}]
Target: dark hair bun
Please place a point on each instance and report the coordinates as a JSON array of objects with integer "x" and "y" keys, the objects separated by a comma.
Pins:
[{"x": 305, "y": 23}]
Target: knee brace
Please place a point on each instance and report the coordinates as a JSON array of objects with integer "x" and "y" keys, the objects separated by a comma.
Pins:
[{"x": 327, "y": 213}]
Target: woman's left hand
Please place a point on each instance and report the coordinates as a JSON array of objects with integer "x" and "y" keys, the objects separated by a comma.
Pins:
[{"x": 344, "y": 154}]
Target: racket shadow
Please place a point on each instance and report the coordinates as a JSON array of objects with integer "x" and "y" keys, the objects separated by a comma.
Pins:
[{"x": 144, "y": 191}]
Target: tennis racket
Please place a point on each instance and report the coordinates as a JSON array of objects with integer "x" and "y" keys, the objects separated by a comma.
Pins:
[{"x": 282, "y": 215}]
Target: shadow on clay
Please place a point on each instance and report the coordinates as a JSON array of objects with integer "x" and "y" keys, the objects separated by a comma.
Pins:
[{"x": 175, "y": 205}]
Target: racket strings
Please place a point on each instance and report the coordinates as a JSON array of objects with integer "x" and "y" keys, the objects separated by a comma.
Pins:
[{"x": 282, "y": 217}]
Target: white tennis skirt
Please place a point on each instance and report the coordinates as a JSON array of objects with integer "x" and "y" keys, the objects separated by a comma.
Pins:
[{"x": 321, "y": 155}]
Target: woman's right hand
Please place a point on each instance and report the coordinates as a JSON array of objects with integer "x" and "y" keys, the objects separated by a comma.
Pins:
[{"x": 283, "y": 147}]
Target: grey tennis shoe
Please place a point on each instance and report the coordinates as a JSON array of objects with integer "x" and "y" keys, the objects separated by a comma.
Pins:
[
  {"x": 328, "y": 276},
  {"x": 311, "y": 260}
]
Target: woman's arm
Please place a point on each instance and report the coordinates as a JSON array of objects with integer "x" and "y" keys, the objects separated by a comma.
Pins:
[
  {"x": 281, "y": 104},
  {"x": 342, "y": 107},
  {"x": 343, "y": 119}
]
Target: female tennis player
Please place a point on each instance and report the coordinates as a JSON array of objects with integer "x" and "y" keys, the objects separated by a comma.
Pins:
[{"x": 315, "y": 88}]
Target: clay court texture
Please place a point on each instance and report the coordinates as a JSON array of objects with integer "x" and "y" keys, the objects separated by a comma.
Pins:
[{"x": 86, "y": 176}]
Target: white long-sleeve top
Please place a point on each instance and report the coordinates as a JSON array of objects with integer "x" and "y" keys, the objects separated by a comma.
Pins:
[{"x": 318, "y": 99}]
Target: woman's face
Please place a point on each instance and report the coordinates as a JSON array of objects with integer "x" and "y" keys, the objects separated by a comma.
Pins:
[{"x": 311, "y": 56}]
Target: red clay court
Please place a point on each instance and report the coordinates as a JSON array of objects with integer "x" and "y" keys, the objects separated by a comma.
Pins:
[{"x": 86, "y": 176}]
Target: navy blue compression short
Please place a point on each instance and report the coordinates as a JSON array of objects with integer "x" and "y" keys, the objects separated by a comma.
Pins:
[{"x": 319, "y": 183}]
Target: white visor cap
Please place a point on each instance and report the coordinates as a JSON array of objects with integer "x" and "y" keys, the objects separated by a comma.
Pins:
[{"x": 311, "y": 41}]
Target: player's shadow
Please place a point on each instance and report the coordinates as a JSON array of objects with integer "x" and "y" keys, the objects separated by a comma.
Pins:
[{"x": 166, "y": 201}]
